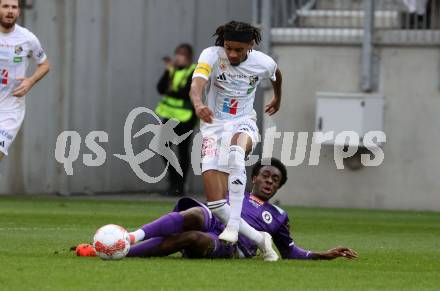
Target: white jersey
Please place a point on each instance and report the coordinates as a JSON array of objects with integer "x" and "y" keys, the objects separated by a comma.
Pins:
[
  {"x": 16, "y": 48},
  {"x": 231, "y": 91}
]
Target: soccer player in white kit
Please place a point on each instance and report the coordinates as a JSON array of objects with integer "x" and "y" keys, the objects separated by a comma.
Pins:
[
  {"x": 17, "y": 46},
  {"x": 227, "y": 75}
]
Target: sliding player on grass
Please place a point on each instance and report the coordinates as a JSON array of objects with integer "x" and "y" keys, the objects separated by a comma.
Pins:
[
  {"x": 229, "y": 74},
  {"x": 192, "y": 228}
]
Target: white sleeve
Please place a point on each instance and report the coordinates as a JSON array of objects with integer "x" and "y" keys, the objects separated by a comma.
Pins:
[
  {"x": 37, "y": 52},
  {"x": 271, "y": 67},
  {"x": 207, "y": 60}
]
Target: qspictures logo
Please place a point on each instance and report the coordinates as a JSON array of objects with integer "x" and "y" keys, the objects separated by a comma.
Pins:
[{"x": 68, "y": 147}]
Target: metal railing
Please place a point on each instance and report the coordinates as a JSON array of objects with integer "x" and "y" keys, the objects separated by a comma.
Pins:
[{"x": 342, "y": 21}]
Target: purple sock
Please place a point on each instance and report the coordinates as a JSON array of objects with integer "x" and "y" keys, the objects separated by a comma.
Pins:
[
  {"x": 147, "y": 248},
  {"x": 164, "y": 226}
]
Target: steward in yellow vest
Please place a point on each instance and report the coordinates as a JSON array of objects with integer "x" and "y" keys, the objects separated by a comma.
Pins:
[
  {"x": 175, "y": 102},
  {"x": 174, "y": 86}
]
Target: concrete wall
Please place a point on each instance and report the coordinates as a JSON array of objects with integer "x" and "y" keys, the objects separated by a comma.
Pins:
[
  {"x": 106, "y": 57},
  {"x": 409, "y": 80}
]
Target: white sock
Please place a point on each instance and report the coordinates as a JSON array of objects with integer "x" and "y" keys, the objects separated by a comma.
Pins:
[
  {"x": 236, "y": 184},
  {"x": 220, "y": 209},
  {"x": 251, "y": 233},
  {"x": 138, "y": 235}
]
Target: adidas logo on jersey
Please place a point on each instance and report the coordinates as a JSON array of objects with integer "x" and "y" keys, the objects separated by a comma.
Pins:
[
  {"x": 237, "y": 182},
  {"x": 221, "y": 77}
]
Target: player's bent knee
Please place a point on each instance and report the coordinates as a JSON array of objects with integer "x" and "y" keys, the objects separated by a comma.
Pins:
[
  {"x": 242, "y": 140},
  {"x": 194, "y": 236},
  {"x": 198, "y": 244},
  {"x": 193, "y": 219}
]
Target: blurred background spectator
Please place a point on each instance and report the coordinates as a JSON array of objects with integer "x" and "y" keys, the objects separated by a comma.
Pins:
[{"x": 175, "y": 85}]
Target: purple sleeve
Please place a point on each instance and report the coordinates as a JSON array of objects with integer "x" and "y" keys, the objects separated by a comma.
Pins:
[{"x": 286, "y": 246}]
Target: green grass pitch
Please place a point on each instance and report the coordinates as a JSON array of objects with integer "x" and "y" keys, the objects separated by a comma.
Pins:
[{"x": 398, "y": 250}]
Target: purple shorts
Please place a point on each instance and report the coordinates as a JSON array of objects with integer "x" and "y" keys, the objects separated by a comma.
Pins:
[{"x": 213, "y": 227}]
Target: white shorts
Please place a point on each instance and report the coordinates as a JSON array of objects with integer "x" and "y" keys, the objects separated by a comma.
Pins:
[
  {"x": 10, "y": 123},
  {"x": 217, "y": 139}
]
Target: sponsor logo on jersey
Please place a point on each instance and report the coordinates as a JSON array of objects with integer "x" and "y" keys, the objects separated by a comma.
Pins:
[
  {"x": 238, "y": 76},
  {"x": 18, "y": 60},
  {"x": 4, "y": 76},
  {"x": 267, "y": 217},
  {"x": 221, "y": 77},
  {"x": 230, "y": 106},
  {"x": 255, "y": 200}
]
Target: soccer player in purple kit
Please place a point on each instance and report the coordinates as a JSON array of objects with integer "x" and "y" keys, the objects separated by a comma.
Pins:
[{"x": 193, "y": 230}]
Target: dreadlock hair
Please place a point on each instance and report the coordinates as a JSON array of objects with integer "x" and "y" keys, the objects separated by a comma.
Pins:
[
  {"x": 236, "y": 26},
  {"x": 272, "y": 162}
]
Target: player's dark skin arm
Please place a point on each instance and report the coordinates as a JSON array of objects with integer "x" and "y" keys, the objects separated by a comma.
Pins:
[
  {"x": 335, "y": 253},
  {"x": 265, "y": 185},
  {"x": 275, "y": 103}
]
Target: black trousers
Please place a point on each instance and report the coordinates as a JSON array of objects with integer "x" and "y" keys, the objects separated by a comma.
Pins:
[{"x": 176, "y": 183}]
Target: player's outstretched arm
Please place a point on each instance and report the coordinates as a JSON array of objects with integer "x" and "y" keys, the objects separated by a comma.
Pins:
[
  {"x": 338, "y": 252},
  {"x": 275, "y": 102},
  {"x": 27, "y": 83},
  {"x": 203, "y": 112},
  {"x": 289, "y": 250}
]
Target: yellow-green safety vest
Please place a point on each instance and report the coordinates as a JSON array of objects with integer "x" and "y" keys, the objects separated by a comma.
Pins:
[{"x": 170, "y": 107}]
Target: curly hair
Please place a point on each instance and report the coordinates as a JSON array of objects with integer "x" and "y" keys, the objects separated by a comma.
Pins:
[
  {"x": 272, "y": 162},
  {"x": 236, "y": 26}
]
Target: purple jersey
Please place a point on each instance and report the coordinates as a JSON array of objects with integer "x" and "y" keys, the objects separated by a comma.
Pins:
[{"x": 264, "y": 216}]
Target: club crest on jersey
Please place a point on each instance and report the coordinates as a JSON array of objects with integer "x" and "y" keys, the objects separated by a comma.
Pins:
[
  {"x": 267, "y": 217},
  {"x": 18, "y": 49},
  {"x": 223, "y": 66},
  {"x": 230, "y": 106},
  {"x": 4, "y": 75}
]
